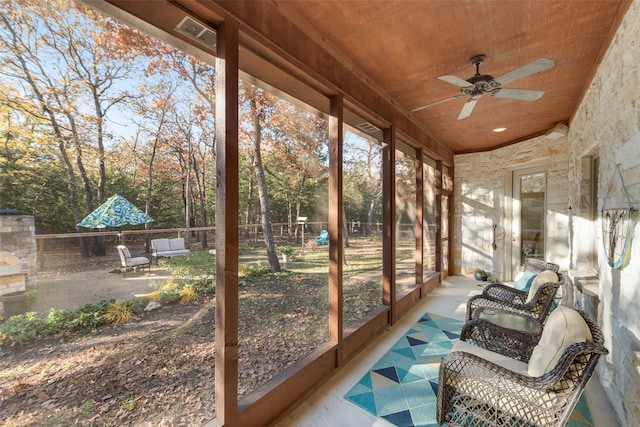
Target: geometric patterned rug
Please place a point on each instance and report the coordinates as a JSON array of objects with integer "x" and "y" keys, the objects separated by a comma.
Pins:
[{"x": 402, "y": 386}]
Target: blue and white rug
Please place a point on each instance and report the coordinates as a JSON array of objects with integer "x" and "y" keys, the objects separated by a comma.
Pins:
[{"x": 402, "y": 386}]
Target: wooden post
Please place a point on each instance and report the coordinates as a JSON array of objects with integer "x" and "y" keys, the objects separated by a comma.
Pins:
[
  {"x": 227, "y": 196},
  {"x": 438, "y": 219},
  {"x": 336, "y": 249},
  {"x": 419, "y": 229},
  {"x": 389, "y": 221}
]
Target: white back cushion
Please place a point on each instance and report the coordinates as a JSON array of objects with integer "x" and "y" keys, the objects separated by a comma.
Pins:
[
  {"x": 544, "y": 277},
  {"x": 176, "y": 244},
  {"x": 160, "y": 245},
  {"x": 125, "y": 252},
  {"x": 564, "y": 327}
]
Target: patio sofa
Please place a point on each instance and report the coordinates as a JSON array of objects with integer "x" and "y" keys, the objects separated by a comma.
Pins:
[{"x": 168, "y": 248}]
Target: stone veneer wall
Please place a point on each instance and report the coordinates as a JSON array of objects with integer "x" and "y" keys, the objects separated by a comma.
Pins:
[
  {"x": 607, "y": 125},
  {"x": 480, "y": 197},
  {"x": 18, "y": 237}
]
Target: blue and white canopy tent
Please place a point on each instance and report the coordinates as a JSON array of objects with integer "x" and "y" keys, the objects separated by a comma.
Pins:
[{"x": 115, "y": 212}]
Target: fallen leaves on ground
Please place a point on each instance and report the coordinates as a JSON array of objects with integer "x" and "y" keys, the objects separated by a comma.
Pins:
[{"x": 159, "y": 369}]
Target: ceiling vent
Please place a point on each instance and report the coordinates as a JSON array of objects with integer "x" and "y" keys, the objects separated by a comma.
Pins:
[
  {"x": 367, "y": 127},
  {"x": 198, "y": 32}
]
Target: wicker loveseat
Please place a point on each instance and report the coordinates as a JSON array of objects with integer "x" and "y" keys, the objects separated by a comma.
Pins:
[
  {"x": 478, "y": 387},
  {"x": 535, "y": 303}
]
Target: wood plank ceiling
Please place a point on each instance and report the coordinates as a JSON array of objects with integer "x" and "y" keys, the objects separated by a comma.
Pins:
[{"x": 404, "y": 46}]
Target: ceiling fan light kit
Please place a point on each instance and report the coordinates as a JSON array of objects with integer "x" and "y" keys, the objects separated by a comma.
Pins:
[{"x": 480, "y": 84}]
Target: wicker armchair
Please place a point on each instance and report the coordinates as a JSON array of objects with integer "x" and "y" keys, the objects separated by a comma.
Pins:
[
  {"x": 478, "y": 387},
  {"x": 515, "y": 344},
  {"x": 536, "y": 303}
]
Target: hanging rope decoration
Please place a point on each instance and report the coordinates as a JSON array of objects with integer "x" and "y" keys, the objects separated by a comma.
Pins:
[{"x": 617, "y": 229}]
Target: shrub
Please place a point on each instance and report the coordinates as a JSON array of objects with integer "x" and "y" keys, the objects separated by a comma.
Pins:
[
  {"x": 30, "y": 297},
  {"x": 117, "y": 313},
  {"x": 21, "y": 328},
  {"x": 188, "y": 294},
  {"x": 287, "y": 250},
  {"x": 169, "y": 294},
  {"x": 248, "y": 271},
  {"x": 205, "y": 288},
  {"x": 90, "y": 316}
]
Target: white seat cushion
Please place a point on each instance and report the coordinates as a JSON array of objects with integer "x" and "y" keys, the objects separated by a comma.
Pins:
[
  {"x": 564, "y": 327},
  {"x": 504, "y": 394},
  {"x": 137, "y": 261},
  {"x": 497, "y": 358},
  {"x": 544, "y": 277}
]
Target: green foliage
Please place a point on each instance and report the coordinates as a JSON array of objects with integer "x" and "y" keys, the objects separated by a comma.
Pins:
[
  {"x": 195, "y": 267},
  {"x": 24, "y": 327},
  {"x": 117, "y": 313},
  {"x": 21, "y": 328},
  {"x": 30, "y": 297},
  {"x": 205, "y": 288},
  {"x": 188, "y": 294},
  {"x": 287, "y": 250},
  {"x": 248, "y": 271},
  {"x": 169, "y": 294}
]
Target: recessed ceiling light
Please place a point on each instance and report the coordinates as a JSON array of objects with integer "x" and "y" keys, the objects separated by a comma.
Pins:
[{"x": 498, "y": 130}]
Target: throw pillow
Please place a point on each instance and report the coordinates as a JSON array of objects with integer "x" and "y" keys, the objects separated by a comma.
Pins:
[{"x": 525, "y": 281}]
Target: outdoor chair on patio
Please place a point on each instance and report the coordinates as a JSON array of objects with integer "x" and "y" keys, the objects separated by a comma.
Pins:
[
  {"x": 128, "y": 262},
  {"x": 536, "y": 302},
  {"x": 480, "y": 387},
  {"x": 323, "y": 237}
]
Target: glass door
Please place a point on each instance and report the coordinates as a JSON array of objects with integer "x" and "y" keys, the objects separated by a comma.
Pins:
[{"x": 528, "y": 216}]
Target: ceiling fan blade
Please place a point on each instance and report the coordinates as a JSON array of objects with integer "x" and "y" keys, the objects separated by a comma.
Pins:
[
  {"x": 519, "y": 73},
  {"x": 468, "y": 106},
  {"x": 520, "y": 94},
  {"x": 455, "y": 81},
  {"x": 438, "y": 102}
]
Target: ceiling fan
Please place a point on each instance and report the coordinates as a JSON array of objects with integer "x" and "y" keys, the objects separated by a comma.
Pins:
[{"x": 480, "y": 84}]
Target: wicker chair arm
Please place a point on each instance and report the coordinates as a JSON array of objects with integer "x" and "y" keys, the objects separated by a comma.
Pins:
[
  {"x": 569, "y": 357},
  {"x": 538, "y": 266},
  {"x": 505, "y": 293},
  {"x": 479, "y": 301},
  {"x": 508, "y": 342},
  {"x": 467, "y": 365}
]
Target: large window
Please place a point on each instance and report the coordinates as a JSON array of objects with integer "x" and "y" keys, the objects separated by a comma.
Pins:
[
  {"x": 362, "y": 198},
  {"x": 283, "y": 304},
  {"x": 429, "y": 217},
  {"x": 405, "y": 181}
]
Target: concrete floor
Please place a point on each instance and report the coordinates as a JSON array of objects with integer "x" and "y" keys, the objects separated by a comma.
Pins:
[
  {"x": 74, "y": 290},
  {"x": 327, "y": 407}
]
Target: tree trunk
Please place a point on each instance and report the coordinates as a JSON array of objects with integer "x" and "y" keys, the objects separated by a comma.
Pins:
[
  {"x": 201, "y": 206},
  {"x": 147, "y": 203},
  {"x": 248, "y": 214},
  {"x": 187, "y": 203},
  {"x": 265, "y": 213}
]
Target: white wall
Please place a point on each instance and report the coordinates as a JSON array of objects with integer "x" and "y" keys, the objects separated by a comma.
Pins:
[{"x": 481, "y": 200}]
